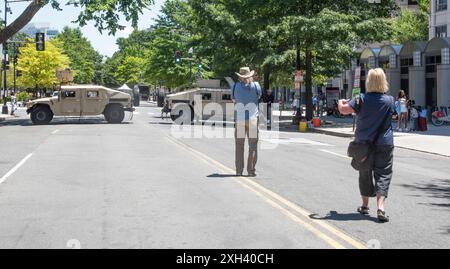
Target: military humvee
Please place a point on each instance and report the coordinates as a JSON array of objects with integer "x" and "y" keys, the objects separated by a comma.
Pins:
[
  {"x": 81, "y": 100},
  {"x": 214, "y": 98}
]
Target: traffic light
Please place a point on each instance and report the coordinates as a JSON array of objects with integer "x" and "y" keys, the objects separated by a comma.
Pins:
[
  {"x": 178, "y": 57},
  {"x": 200, "y": 65},
  {"x": 40, "y": 42},
  {"x": 18, "y": 73}
]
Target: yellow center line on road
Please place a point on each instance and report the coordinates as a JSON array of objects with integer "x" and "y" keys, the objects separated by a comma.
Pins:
[{"x": 280, "y": 203}]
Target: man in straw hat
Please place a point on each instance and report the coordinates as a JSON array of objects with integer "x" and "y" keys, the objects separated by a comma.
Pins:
[{"x": 246, "y": 94}]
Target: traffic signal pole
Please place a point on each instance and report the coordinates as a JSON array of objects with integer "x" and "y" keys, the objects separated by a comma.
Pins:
[{"x": 15, "y": 75}]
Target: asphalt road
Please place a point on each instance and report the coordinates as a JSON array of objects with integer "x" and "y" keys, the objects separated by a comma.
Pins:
[{"x": 84, "y": 183}]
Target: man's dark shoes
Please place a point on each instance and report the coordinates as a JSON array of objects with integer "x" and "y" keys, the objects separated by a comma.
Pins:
[
  {"x": 382, "y": 217},
  {"x": 251, "y": 175},
  {"x": 364, "y": 210}
]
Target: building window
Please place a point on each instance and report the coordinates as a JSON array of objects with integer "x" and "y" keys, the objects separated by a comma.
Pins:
[
  {"x": 405, "y": 64},
  {"x": 432, "y": 62},
  {"x": 441, "y": 31},
  {"x": 441, "y": 5}
]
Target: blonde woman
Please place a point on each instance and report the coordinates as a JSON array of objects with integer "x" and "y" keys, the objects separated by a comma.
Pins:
[{"x": 374, "y": 126}]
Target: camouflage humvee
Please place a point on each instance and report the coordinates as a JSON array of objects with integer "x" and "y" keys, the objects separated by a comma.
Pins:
[
  {"x": 81, "y": 100},
  {"x": 216, "y": 102}
]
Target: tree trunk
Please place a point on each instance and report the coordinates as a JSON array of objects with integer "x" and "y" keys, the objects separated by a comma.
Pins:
[
  {"x": 24, "y": 18},
  {"x": 308, "y": 84}
]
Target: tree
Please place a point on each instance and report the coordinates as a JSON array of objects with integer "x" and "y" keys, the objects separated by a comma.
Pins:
[
  {"x": 273, "y": 36},
  {"x": 84, "y": 59},
  {"x": 131, "y": 70},
  {"x": 39, "y": 67},
  {"x": 104, "y": 13},
  {"x": 412, "y": 25}
]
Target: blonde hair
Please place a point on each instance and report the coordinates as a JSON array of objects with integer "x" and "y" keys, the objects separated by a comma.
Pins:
[{"x": 376, "y": 81}]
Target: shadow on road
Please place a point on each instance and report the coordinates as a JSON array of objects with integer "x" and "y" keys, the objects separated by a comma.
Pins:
[
  {"x": 62, "y": 121},
  {"x": 161, "y": 123},
  {"x": 334, "y": 215},
  {"x": 439, "y": 189},
  {"x": 221, "y": 176}
]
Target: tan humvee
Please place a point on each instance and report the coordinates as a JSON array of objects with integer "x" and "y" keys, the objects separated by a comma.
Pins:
[
  {"x": 81, "y": 100},
  {"x": 216, "y": 102}
]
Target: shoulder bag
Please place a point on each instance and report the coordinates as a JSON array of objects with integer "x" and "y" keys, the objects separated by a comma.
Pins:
[{"x": 363, "y": 154}]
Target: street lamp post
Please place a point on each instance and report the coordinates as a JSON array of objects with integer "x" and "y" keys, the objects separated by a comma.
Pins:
[
  {"x": 14, "y": 63},
  {"x": 191, "y": 54},
  {"x": 5, "y": 59}
]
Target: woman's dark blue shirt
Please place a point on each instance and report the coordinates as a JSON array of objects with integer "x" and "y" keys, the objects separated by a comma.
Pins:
[{"x": 376, "y": 109}]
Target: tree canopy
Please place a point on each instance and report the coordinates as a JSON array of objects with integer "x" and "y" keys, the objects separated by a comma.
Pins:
[
  {"x": 104, "y": 13},
  {"x": 84, "y": 59},
  {"x": 39, "y": 67}
]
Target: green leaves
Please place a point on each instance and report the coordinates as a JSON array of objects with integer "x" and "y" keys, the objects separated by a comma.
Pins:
[
  {"x": 85, "y": 60},
  {"x": 412, "y": 26},
  {"x": 105, "y": 13},
  {"x": 39, "y": 67}
]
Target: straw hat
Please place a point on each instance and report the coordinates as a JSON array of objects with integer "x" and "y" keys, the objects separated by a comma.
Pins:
[{"x": 245, "y": 72}]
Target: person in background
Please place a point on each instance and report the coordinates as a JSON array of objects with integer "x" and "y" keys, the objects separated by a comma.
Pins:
[
  {"x": 374, "y": 126},
  {"x": 13, "y": 104},
  {"x": 414, "y": 119},
  {"x": 165, "y": 110},
  {"x": 402, "y": 106}
]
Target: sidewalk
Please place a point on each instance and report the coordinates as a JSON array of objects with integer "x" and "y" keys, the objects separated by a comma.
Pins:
[
  {"x": 7, "y": 117},
  {"x": 435, "y": 141}
]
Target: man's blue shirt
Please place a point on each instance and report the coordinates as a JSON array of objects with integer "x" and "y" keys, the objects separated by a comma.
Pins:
[{"x": 247, "y": 100}]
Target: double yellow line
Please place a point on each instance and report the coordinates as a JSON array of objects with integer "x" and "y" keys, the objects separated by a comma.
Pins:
[{"x": 323, "y": 230}]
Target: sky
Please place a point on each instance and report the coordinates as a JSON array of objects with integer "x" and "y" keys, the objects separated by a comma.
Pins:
[{"x": 103, "y": 43}]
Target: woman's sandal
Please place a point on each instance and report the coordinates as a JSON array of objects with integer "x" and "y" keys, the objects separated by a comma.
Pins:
[
  {"x": 364, "y": 210},
  {"x": 382, "y": 217}
]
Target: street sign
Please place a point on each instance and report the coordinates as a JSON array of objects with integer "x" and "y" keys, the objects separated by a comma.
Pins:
[
  {"x": 356, "y": 92},
  {"x": 64, "y": 75}
]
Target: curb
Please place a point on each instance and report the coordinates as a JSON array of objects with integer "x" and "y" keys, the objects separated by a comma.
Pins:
[
  {"x": 423, "y": 151},
  {"x": 337, "y": 134},
  {"x": 332, "y": 133}
]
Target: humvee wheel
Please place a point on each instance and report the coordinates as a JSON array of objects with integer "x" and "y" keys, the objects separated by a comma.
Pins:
[
  {"x": 41, "y": 115},
  {"x": 115, "y": 114},
  {"x": 182, "y": 114}
]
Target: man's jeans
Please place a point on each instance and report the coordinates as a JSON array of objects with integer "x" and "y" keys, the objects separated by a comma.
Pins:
[{"x": 247, "y": 129}]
